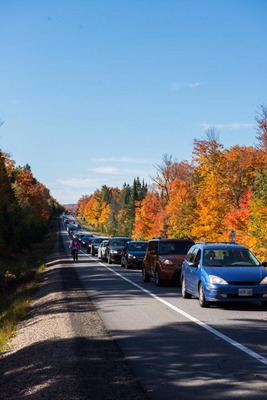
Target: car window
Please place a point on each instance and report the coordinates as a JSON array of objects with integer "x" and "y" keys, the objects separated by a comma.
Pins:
[
  {"x": 190, "y": 255},
  {"x": 197, "y": 255}
]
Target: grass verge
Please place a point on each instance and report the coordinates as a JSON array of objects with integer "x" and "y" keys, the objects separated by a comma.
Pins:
[{"x": 19, "y": 276}]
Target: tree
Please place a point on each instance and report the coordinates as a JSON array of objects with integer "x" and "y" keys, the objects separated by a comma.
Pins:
[
  {"x": 149, "y": 220},
  {"x": 240, "y": 165},
  {"x": 257, "y": 224},
  {"x": 181, "y": 208},
  {"x": 8, "y": 206},
  {"x": 261, "y": 119},
  {"x": 209, "y": 175},
  {"x": 165, "y": 175},
  {"x": 34, "y": 200}
]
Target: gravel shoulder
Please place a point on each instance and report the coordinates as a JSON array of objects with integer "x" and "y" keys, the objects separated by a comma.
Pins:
[{"x": 62, "y": 350}]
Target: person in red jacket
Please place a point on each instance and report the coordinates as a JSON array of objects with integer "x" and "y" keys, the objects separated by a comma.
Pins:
[{"x": 75, "y": 247}]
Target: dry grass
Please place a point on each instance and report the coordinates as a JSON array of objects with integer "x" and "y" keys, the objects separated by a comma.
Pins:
[{"x": 19, "y": 275}]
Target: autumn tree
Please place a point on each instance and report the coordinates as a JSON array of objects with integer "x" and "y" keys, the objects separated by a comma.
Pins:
[
  {"x": 209, "y": 174},
  {"x": 81, "y": 204},
  {"x": 92, "y": 210},
  {"x": 103, "y": 197},
  {"x": 34, "y": 200},
  {"x": 257, "y": 225},
  {"x": 261, "y": 119},
  {"x": 115, "y": 207},
  {"x": 182, "y": 202},
  {"x": 149, "y": 219},
  {"x": 26, "y": 206},
  {"x": 9, "y": 209},
  {"x": 240, "y": 164},
  {"x": 166, "y": 173}
]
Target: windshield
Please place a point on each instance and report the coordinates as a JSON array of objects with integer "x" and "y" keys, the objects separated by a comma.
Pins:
[
  {"x": 174, "y": 247},
  {"x": 230, "y": 257},
  {"x": 119, "y": 242},
  {"x": 137, "y": 246}
]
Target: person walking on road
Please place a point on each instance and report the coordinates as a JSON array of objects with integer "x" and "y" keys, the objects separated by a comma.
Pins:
[{"x": 75, "y": 247}]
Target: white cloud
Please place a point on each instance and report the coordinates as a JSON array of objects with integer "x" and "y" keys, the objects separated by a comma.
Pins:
[
  {"x": 121, "y": 172},
  {"x": 122, "y": 160},
  {"x": 105, "y": 170},
  {"x": 79, "y": 182},
  {"x": 232, "y": 126},
  {"x": 73, "y": 189},
  {"x": 192, "y": 85}
]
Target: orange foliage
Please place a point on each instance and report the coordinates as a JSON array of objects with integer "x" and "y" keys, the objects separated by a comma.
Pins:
[
  {"x": 33, "y": 194},
  {"x": 103, "y": 219},
  {"x": 237, "y": 219},
  {"x": 180, "y": 209},
  {"x": 81, "y": 205},
  {"x": 149, "y": 219},
  {"x": 92, "y": 211}
]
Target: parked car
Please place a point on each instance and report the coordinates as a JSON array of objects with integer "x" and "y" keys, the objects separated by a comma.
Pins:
[
  {"x": 133, "y": 254},
  {"x": 96, "y": 243},
  {"x": 102, "y": 250},
  {"x": 163, "y": 259},
  {"x": 114, "y": 248},
  {"x": 86, "y": 240},
  {"x": 78, "y": 234},
  {"x": 223, "y": 272},
  {"x": 71, "y": 227}
]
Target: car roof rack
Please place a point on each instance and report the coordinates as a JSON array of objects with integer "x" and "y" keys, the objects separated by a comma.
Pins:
[{"x": 229, "y": 242}]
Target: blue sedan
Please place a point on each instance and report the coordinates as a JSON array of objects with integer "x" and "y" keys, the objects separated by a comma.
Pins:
[{"x": 223, "y": 272}]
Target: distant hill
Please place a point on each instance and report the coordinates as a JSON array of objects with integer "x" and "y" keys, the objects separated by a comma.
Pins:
[{"x": 70, "y": 207}]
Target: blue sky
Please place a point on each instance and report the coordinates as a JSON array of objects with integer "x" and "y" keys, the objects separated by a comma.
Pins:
[{"x": 95, "y": 92}]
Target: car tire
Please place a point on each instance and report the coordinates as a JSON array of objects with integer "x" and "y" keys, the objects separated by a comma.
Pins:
[
  {"x": 185, "y": 294},
  {"x": 146, "y": 277},
  {"x": 158, "y": 279},
  {"x": 201, "y": 296}
]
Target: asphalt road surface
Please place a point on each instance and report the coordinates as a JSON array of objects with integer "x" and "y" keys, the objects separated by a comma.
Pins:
[
  {"x": 98, "y": 332},
  {"x": 177, "y": 349}
]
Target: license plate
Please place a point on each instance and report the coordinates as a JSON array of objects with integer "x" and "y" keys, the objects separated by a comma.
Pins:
[{"x": 245, "y": 292}]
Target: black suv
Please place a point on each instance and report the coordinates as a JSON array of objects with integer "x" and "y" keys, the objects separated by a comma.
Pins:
[
  {"x": 114, "y": 248},
  {"x": 163, "y": 259}
]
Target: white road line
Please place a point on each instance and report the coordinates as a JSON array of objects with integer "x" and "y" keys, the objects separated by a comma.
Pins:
[{"x": 227, "y": 339}]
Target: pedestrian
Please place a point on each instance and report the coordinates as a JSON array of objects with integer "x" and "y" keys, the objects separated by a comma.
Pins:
[{"x": 75, "y": 247}]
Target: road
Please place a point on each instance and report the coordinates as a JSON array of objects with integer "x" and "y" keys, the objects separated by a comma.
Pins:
[{"x": 175, "y": 348}]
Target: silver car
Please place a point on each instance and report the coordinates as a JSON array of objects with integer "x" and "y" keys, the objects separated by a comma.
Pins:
[{"x": 102, "y": 250}]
